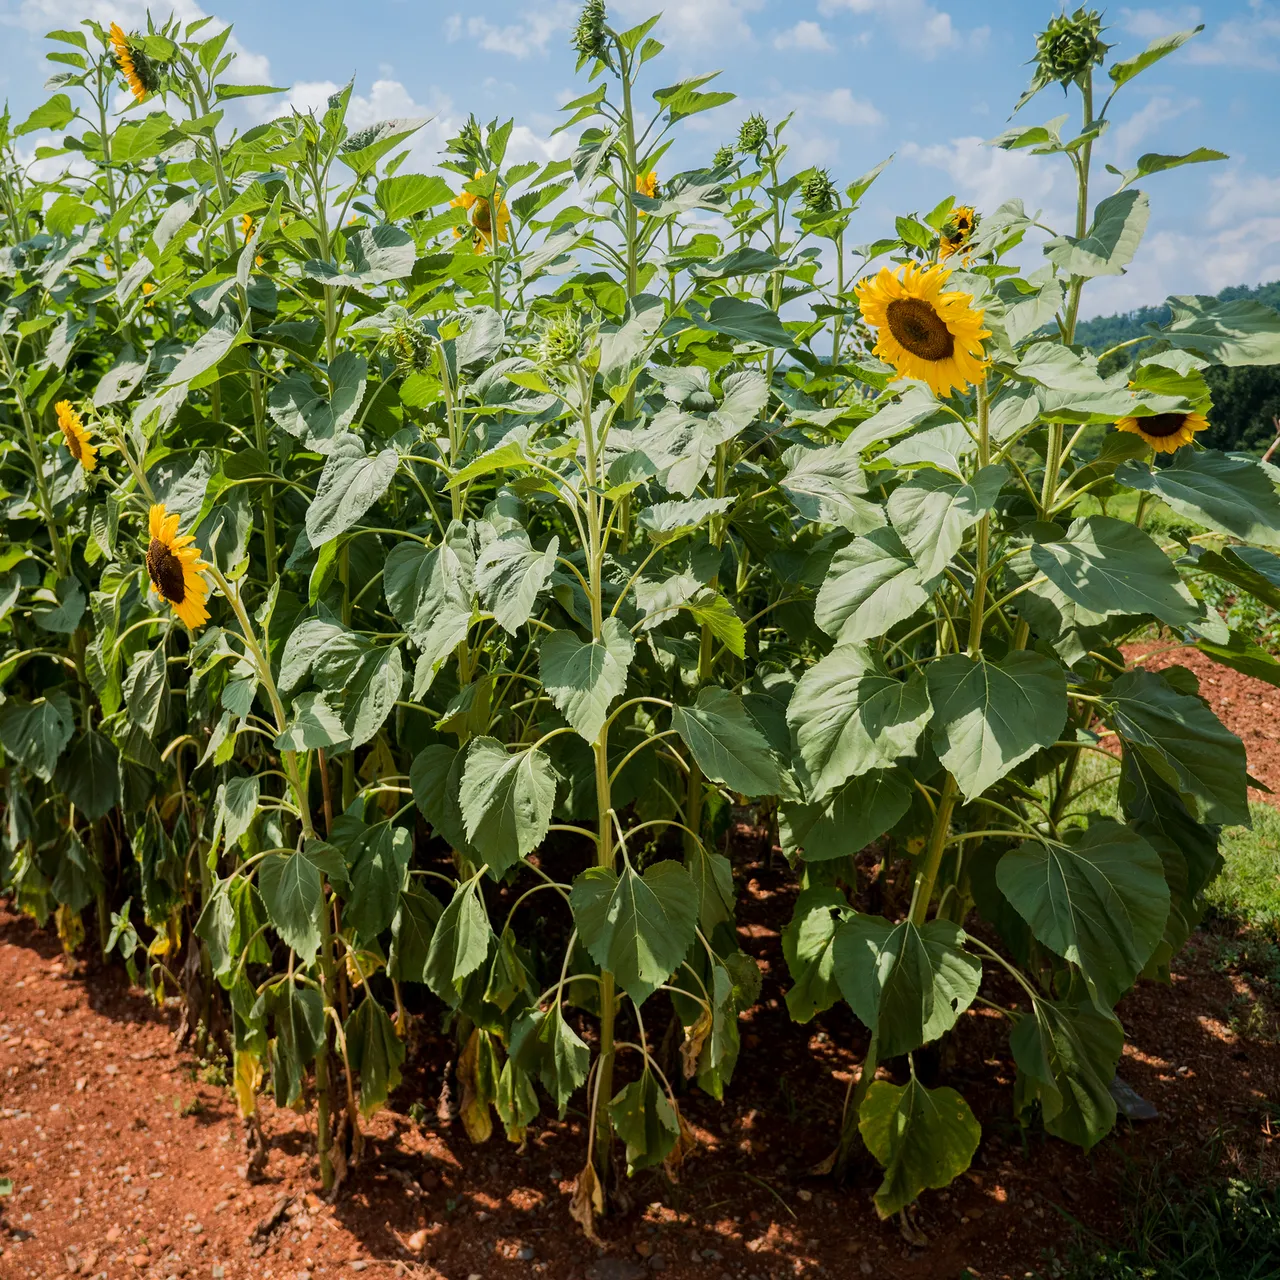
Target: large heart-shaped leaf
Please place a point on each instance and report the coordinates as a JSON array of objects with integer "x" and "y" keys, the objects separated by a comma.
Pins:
[
  {"x": 850, "y": 818},
  {"x": 584, "y": 677},
  {"x": 506, "y": 799},
  {"x": 872, "y": 585},
  {"x": 639, "y": 927},
  {"x": 351, "y": 482},
  {"x": 1100, "y": 901},
  {"x": 990, "y": 716},
  {"x": 932, "y": 511},
  {"x": 724, "y": 740},
  {"x": 510, "y": 574}
]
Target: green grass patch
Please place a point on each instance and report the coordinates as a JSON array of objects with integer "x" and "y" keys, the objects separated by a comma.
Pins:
[{"x": 1248, "y": 890}]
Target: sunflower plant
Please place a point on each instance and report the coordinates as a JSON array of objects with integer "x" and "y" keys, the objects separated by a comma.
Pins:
[{"x": 407, "y": 576}]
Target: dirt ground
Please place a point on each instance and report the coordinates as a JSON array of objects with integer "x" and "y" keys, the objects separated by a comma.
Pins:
[{"x": 125, "y": 1161}]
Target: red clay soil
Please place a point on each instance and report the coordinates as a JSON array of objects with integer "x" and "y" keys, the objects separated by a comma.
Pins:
[{"x": 125, "y": 1162}]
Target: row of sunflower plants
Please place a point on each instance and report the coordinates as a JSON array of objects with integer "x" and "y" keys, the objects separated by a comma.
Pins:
[{"x": 406, "y": 574}]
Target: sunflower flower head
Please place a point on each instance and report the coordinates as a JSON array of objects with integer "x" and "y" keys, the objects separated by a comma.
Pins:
[
  {"x": 1165, "y": 432},
  {"x": 723, "y": 158},
  {"x": 246, "y": 227},
  {"x": 480, "y": 215},
  {"x": 174, "y": 565},
  {"x": 76, "y": 435},
  {"x": 818, "y": 193},
  {"x": 922, "y": 331},
  {"x": 1069, "y": 46},
  {"x": 589, "y": 38},
  {"x": 753, "y": 133},
  {"x": 140, "y": 73},
  {"x": 957, "y": 231}
]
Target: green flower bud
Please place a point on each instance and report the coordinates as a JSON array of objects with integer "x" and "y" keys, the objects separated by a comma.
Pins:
[
  {"x": 753, "y": 134},
  {"x": 561, "y": 341},
  {"x": 410, "y": 347},
  {"x": 588, "y": 35},
  {"x": 723, "y": 158},
  {"x": 818, "y": 193},
  {"x": 1069, "y": 46}
]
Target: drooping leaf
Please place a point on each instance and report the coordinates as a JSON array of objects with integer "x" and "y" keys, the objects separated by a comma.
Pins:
[
  {"x": 923, "y": 1139},
  {"x": 645, "y": 1120},
  {"x": 351, "y": 482},
  {"x": 872, "y": 585},
  {"x": 506, "y": 800},
  {"x": 850, "y": 818},
  {"x": 510, "y": 574},
  {"x": 375, "y": 1052},
  {"x": 726, "y": 743},
  {"x": 1109, "y": 245},
  {"x": 1100, "y": 900},
  {"x": 808, "y": 942},
  {"x": 459, "y": 944},
  {"x": 292, "y": 892}
]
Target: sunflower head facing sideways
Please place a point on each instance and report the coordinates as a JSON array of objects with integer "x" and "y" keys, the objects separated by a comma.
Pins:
[
  {"x": 173, "y": 565},
  {"x": 480, "y": 215},
  {"x": 957, "y": 232},
  {"x": 1165, "y": 432},
  {"x": 76, "y": 435},
  {"x": 140, "y": 73},
  {"x": 922, "y": 331}
]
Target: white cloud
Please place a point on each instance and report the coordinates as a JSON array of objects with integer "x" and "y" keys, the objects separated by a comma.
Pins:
[
  {"x": 914, "y": 23},
  {"x": 518, "y": 39},
  {"x": 1124, "y": 139},
  {"x": 840, "y": 107},
  {"x": 808, "y": 36},
  {"x": 1247, "y": 40},
  {"x": 690, "y": 23}
]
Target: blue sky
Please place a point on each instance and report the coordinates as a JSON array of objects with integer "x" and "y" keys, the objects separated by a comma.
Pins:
[{"x": 927, "y": 80}]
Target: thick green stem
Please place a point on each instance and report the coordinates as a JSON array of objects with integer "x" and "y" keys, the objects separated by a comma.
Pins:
[
  {"x": 984, "y": 529},
  {"x": 927, "y": 875}
]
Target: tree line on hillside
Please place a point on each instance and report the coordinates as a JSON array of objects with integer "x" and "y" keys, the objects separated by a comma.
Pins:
[{"x": 1246, "y": 401}]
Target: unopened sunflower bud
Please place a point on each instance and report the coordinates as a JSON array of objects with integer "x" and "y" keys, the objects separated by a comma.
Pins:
[
  {"x": 753, "y": 134},
  {"x": 818, "y": 193},
  {"x": 589, "y": 36},
  {"x": 723, "y": 157},
  {"x": 1069, "y": 46},
  {"x": 410, "y": 348},
  {"x": 561, "y": 341}
]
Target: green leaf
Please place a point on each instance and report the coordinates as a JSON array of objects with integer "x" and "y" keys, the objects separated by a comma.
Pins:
[
  {"x": 90, "y": 775},
  {"x": 317, "y": 417},
  {"x": 857, "y": 812},
  {"x": 412, "y": 929},
  {"x": 379, "y": 863},
  {"x": 1185, "y": 743},
  {"x": 146, "y": 690},
  {"x": 351, "y": 482},
  {"x": 871, "y": 586},
  {"x": 299, "y": 1023},
  {"x": 711, "y": 610},
  {"x": 666, "y": 521},
  {"x": 907, "y": 984},
  {"x": 34, "y": 734},
  {"x": 407, "y": 194},
  {"x": 225, "y": 92},
  {"x": 459, "y": 944},
  {"x": 53, "y": 115},
  {"x": 63, "y": 617},
  {"x": 922, "y": 1138},
  {"x": 506, "y": 799},
  {"x": 1123, "y": 72},
  {"x": 746, "y": 321},
  {"x": 584, "y": 677},
  {"x": 374, "y": 256},
  {"x": 545, "y": 1043},
  {"x": 848, "y": 715},
  {"x": 431, "y": 592},
  {"x": 435, "y": 775},
  {"x": 79, "y": 879},
  {"x": 1241, "y": 654},
  {"x": 1155, "y": 162},
  {"x": 510, "y": 575},
  {"x": 1238, "y": 332},
  {"x": 1067, "y": 1057},
  {"x": 990, "y": 716},
  {"x": 375, "y": 1052},
  {"x": 932, "y": 511},
  {"x": 1225, "y": 493},
  {"x": 808, "y": 940},
  {"x": 726, "y": 743},
  {"x": 828, "y": 486},
  {"x": 237, "y": 805},
  {"x": 1100, "y": 901},
  {"x": 292, "y": 892},
  {"x": 1109, "y": 245},
  {"x": 1252, "y": 568},
  {"x": 645, "y": 1120},
  {"x": 1110, "y": 566},
  {"x": 639, "y": 927}
]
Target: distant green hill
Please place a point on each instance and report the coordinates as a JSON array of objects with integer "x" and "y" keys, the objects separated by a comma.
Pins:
[{"x": 1246, "y": 401}]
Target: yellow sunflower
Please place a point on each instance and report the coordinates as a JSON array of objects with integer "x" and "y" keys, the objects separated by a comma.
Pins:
[
  {"x": 957, "y": 231},
  {"x": 647, "y": 185},
  {"x": 246, "y": 227},
  {"x": 127, "y": 62},
  {"x": 923, "y": 332},
  {"x": 76, "y": 435},
  {"x": 479, "y": 213},
  {"x": 1165, "y": 432},
  {"x": 174, "y": 565}
]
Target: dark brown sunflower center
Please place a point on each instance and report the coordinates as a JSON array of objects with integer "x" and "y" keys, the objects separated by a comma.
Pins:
[
  {"x": 919, "y": 328},
  {"x": 73, "y": 443},
  {"x": 1162, "y": 424},
  {"x": 166, "y": 572}
]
